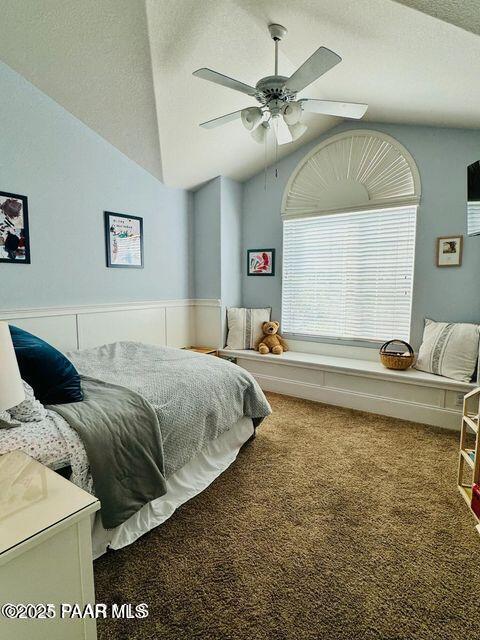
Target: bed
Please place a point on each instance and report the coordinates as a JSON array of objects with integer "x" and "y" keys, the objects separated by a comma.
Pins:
[{"x": 198, "y": 409}]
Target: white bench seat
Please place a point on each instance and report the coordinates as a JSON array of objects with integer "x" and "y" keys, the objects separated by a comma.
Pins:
[{"x": 358, "y": 384}]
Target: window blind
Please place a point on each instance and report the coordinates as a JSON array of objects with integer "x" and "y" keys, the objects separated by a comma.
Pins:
[
  {"x": 349, "y": 275},
  {"x": 473, "y": 217}
]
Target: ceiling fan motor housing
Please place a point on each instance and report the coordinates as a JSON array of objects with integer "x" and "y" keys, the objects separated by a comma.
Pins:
[{"x": 273, "y": 88}]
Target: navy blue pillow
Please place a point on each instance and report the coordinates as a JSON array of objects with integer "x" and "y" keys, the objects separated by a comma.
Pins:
[{"x": 51, "y": 375}]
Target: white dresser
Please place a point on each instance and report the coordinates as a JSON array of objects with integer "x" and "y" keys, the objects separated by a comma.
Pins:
[{"x": 45, "y": 551}]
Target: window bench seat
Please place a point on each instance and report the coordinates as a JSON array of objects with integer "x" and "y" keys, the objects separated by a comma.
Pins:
[{"x": 358, "y": 384}]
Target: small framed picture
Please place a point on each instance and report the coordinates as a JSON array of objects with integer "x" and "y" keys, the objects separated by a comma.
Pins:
[
  {"x": 124, "y": 240},
  {"x": 449, "y": 251},
  {"x": 261, "y": 262},
  {"x": 14, "y": 238}
]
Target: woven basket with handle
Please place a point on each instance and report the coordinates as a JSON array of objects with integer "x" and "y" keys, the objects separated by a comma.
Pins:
[{"x": 394, "y": 358}]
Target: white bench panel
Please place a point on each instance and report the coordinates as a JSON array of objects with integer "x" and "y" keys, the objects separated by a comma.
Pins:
[
  {"x": 386, "y": 389},
  {"x": 359, "y": 384},
  {"x": 300, "y": 374}
]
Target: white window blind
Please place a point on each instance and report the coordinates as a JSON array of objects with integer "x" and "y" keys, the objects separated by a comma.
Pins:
[
  {"x": 349, "y": 275},
  {"x": 473, "y": 217}
]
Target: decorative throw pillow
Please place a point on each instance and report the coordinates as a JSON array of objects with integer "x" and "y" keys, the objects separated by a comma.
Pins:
[
  {"x": 449, "y": 349},
  {"x": 52, "y": 376},
  {"x": 245, "y": 326},
  {"x": 30, "y": 410}
]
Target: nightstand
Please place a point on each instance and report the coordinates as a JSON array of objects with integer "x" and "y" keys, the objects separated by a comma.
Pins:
[
  {"x": 45, "y": 549},
  {"x": 210, "y": 351}
]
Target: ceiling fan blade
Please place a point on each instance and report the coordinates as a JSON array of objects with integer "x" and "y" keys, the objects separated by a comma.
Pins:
[
  {"x": 282, "y": 131},
  {"x": 217, "y": 122},
  {"x": 319, "y": 63},
  {"x": 225, "y": 81},
  {"x": 331, "y": 108}
]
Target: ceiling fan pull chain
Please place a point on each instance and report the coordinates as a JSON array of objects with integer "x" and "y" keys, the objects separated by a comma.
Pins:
[
  {"x": 276, "y": 148},
  {"x": 265, "y": 163}
]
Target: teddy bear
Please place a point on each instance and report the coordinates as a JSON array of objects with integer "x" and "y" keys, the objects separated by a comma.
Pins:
[{"x": 271, "y": 339}]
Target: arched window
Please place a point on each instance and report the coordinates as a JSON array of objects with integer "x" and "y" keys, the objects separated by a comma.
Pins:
[{"x": 349, "y": 219}]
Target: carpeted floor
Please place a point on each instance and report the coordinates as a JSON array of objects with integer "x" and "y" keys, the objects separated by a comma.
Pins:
[{"x": 332, "y": 524}]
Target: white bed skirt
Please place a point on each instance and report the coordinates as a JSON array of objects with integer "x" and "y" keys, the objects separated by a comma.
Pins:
[{"x": 186, "y": 483}]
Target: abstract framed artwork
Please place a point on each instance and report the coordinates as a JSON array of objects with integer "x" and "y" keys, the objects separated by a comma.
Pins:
[
  {"x": 449, "y": 251},
  {"x": 124, "y": 240},
  {"x": 261, "y": 262},
  {"x": 14, "y": 236}
]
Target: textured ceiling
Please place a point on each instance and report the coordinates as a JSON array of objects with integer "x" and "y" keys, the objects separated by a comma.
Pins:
[
  {"x": 93, "y": 58},
  {"x": 124, "y": 67},
  {"x": 462, "y": 13}
]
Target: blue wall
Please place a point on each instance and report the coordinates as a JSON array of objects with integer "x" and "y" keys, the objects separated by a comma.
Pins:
[
  {"x": 217, "y": 225},
  {"x": 442, "y": 156},
  {"x": 70, "y": 176},
  {"x": 231, "y": 239},
  {"x": 207, "y": 242}
]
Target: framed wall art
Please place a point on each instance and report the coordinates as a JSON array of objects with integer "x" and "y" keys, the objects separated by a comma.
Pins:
[
  {"x": 14, "y": 237},
  {"x": 124, "y": 240},
  {"x": 261, "y": 262},
  {"x": 449, "y": 251}
]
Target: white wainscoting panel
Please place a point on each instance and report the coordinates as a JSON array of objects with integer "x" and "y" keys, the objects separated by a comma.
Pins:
[
  {"x": 59, "y": 331},
  {"x": 208, "y": 324},
  {"x": 180, "y": 326},
  {"x": 138, "y": 325},
  {"x": 175, "y": 323}
]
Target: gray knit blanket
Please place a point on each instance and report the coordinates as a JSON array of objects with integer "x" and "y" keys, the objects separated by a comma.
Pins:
[{"x": 196, "y": 397}]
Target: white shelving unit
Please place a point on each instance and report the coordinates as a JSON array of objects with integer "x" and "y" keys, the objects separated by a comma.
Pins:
[{"x": 469, "y": 455}]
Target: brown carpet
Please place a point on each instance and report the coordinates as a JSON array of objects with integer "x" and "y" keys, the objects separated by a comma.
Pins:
[{"x": 332, "y": 524}]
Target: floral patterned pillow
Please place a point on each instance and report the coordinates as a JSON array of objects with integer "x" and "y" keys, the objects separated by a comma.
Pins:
[{"x": 30, "y": 410}]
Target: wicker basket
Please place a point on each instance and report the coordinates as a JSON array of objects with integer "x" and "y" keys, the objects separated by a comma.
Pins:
[{"x": 394, "y": 358}]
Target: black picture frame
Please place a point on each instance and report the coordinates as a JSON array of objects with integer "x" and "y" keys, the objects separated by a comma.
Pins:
[
  {"x": 5, "y": 195},
  {"x": 260, "y": 274},
  {"x": 108, "y": 245}
]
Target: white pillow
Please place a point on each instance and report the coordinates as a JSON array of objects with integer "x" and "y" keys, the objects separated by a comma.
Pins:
[
  {"x": 30, "y": 410},
  {"x": 245, "y": 326},
  {"x": 449, "y": 349}
]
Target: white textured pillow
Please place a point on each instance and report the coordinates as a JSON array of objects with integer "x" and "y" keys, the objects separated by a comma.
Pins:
[
  {"x": 449, "y": 349},
  {"x": 245, "y": 326},
  {"x": 30, "y": 410}
]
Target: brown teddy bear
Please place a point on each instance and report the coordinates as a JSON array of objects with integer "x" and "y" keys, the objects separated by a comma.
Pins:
[{"x": 271, "y": 340}]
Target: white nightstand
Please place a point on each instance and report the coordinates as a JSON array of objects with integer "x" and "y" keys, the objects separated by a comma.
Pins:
[{"x": 45, "y": 548}]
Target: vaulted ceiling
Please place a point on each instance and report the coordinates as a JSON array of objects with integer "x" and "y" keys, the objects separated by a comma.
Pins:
[{"x": 124, "y": 68}]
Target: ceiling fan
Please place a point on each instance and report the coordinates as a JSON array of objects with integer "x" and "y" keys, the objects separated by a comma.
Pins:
[{"x": 279, "y": 107}]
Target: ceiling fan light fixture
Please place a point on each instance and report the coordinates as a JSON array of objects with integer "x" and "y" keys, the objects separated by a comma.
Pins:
[
  {"x": 260, "y": 133},
  {"x": 251, "y": 118},
  {"x": 297, "y": 130},
  {"x": 292, "y": 112}
]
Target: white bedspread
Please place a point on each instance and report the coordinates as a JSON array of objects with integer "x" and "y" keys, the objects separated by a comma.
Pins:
[{"x": 53, "y": 443}]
